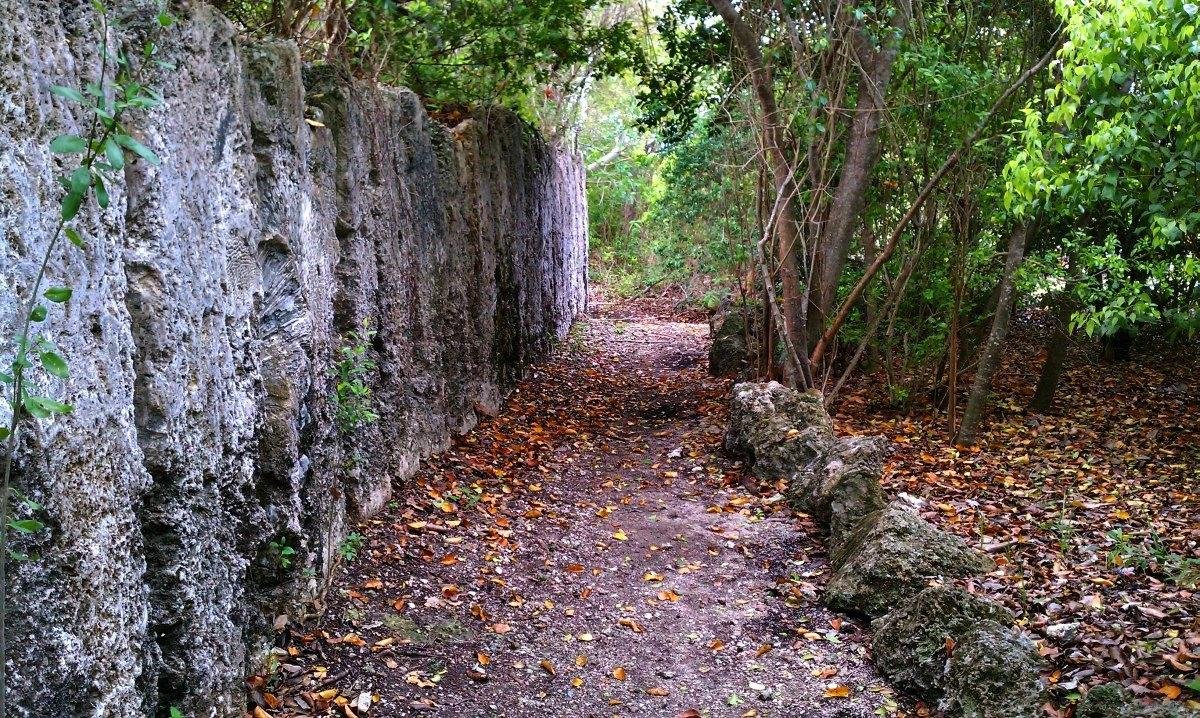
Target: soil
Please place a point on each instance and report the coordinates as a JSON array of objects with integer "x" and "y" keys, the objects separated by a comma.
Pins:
[{"x": 589, "y": 552}]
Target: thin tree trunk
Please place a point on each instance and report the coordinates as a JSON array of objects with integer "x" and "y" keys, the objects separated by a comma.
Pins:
[
  {"x": 774, "y": 143},
  {"x": 989, "y": 359},
  {"x": 894, "y": 238},
  {"x": 1056, "y": 353},
  {"x": 862, "y": 154}
]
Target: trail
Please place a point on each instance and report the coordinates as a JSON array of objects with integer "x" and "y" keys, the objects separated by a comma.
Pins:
[{"x": 590, "y": 552}]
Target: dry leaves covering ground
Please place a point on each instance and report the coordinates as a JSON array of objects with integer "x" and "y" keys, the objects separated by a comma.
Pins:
[
  {"x": 1093, "y": 510},
  {"x": 589, "y": 552}
]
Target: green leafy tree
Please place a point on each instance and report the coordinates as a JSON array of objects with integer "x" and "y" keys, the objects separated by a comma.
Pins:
[{"x": 1113, "y": 157}]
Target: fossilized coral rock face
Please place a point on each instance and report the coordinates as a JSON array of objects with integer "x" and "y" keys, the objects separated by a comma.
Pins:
[
  {"x": 778, "y": 431},
  {"x": 209, "y": 308}
]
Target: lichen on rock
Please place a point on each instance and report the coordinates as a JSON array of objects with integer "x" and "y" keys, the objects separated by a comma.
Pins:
[
  {"x": 994, "y": 671},
  {"x": 777, "y": 430},
  {"x": 845, "y": 487},
  {"x": 891, "y": 556},
  {"x": 1111, "y": 700},
  {"x": 728, "y": 351},
  {"x": 912, "y": 644}
]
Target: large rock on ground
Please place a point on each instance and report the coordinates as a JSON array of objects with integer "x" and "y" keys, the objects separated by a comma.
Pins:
[
  {"x": 1110, "y": 700},
  {"x": 729, "y": 352},
  {"x": 891, "y": 556},
  {"x": 993, "y": 672},
  {"x": 777, "y": 430},
  {"x": 844, "y": 488},
  {"x": 913, "y": 643}
]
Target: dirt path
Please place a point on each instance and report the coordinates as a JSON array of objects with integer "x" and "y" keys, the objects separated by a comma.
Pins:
[{"x": 588, "y": 553}]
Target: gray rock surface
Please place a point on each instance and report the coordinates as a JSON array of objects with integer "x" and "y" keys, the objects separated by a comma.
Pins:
[
  {"x": 912, "y": 644},
  {"x": 1110, "y": 700},
  {"x": 209, "y": 306},
  {"x": 845, "y": 488},
  {"x": 993, "y": 672},
  {"x": 891, "y": 556},
  {"x": 777, "y": 430},
  {"x": 728, "y": 351}
]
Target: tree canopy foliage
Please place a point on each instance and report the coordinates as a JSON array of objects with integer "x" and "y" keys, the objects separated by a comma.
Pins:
[
  {"x": 449, "y": 51},
  {"x": 907, "y": 168}
]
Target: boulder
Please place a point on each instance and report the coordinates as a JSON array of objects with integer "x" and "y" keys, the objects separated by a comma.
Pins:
[
  {"x": 729, "y": 352},
  {"x": 777, "y": 430},
  {"x": 1110, "y": 700},
  {"x": 993, "y": 672},
  {"x": 845, "y": 488},
  {"x": 913, "y": 643},
  {"x": 891, "y": 556}
]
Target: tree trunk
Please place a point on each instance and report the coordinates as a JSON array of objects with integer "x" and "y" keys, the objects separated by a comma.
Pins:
[
  {"x": 1056, "y": 354},
  {"x": 862, "y": 154},
  {"x": 989, "y": 359},
  {"x": 775, "y": 143}
]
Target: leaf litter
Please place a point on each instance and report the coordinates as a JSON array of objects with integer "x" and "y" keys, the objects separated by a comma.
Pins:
[{"x": 589, "y": 552}]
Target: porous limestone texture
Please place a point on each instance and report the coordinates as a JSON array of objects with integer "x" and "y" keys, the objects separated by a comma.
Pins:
[
  {"x": 932, "y": 639},
  {"x": 209, "y": 307}
]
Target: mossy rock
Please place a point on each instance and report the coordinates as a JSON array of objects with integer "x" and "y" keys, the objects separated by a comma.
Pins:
[
  {"x": 729, "y": 352},
  {"x": 891, "y": 556},
  {"x": 777, "y": 430},
  {"x": 844, "y": 488},
  {"x": 994, "y": 672},
  {"x": 1110, "y": 700},
  {"x": 913, "y": 643}
]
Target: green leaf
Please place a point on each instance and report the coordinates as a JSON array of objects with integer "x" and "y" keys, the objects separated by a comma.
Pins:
[
  {"x": 137, "y": 148},
  {"x": 67, "y": 93},
  {"x": 80, "y": 180},
  {"x": 101, "y": 193},
  {"x": 74, "y": 236},
  {"x": 113, "y": 152},
  {"x": 68, "y": 145},
  {"x": 176, "y": 713},
  {"x": 70, "y": 205},
  {"x": 5, "y": 378},
  {"x": 26, "y": 526},
  {"x": 58, "y": 294},
  {"x": 55, "y": 364},
  {"x": 38, "y": 314},
  {"x": 165, "y": 19},
  {"x": 42, "y": 407},
  {"x": 3, "y": 433}
]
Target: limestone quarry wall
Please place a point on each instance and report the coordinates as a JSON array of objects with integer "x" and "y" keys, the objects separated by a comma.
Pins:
[{"x": 209, "y": 306}]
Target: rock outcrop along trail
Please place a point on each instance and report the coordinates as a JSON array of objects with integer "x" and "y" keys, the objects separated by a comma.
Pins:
[{"x": 590, "y": 552}]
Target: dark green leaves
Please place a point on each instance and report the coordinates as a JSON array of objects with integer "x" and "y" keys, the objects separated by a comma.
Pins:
[
  {"x": 137, "y": 148},
  {"x": 112, "y": 151},
  {"x": 74, "y": 237},
  {"x": 68, "y": 145},
  {"x": 38, "y": 314},
  {"x": 26, "y": 526},
  {"x": 58, "y": 294},
  {"x": 55, "y": 364},
  {"x": 67, "y": 93},
  {"x": 77, "y": 187},
  {"x": 43, "y": 407}
]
